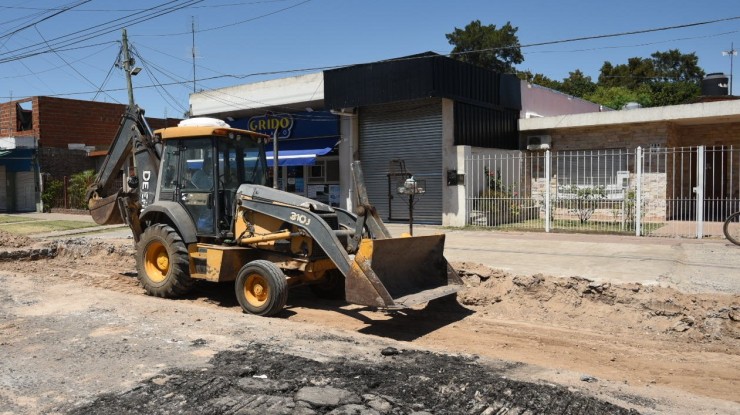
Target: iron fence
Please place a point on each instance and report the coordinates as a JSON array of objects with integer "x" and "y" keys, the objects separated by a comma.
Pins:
[{"x": 682, "y": 191}]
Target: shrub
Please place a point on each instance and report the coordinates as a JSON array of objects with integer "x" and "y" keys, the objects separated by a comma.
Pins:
[
  {"x": 52, "y": 192},
  {"x": 78, "y": 185}
]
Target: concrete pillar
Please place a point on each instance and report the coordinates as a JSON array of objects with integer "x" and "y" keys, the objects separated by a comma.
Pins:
[
  {"x": 348, "y": 152},
  {"x": 453, "y": 159}
]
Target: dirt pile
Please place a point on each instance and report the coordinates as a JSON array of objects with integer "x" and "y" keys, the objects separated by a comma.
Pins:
[
  {"x": 581, "y": 302},
  {"x": 256, "y": 379},
  {"x": 9, "y": 240}
]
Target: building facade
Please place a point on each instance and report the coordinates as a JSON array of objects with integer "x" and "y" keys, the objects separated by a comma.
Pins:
[
  {"x": 417, "y": 116},
  {"x": 53, "y": 138}
]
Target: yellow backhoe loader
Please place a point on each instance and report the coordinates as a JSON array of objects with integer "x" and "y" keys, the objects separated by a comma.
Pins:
[{"x": 198, "y": 208}]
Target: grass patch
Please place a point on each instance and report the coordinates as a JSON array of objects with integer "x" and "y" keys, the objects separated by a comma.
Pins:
[
  {"x": 29, "y": 228},
  {"x": 13, "y": 218}
]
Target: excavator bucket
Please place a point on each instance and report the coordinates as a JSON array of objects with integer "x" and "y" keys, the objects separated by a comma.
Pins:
[
  {"x": 400, "y": 272},
  {"x": 105, "y": 210}
]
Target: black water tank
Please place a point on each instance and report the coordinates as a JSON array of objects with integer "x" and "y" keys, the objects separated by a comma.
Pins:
[{"x": 715, "y": 84}]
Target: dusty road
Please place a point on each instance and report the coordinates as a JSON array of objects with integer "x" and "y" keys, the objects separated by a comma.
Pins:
[{"x": 78, "y": 335}]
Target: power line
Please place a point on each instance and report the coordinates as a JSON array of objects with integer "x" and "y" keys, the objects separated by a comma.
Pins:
[
  {"x": 210, "y": 6},
  {"x": 231, "y": 24},
  {"x": 80, "y": 35},
  {"x": 243, "y": 76},
  {"x": 578, "y": 39},
  {"x": 68, "y": 64},
  {"x": 44, "y": 19},
  {"x": 30, "y": 73}
]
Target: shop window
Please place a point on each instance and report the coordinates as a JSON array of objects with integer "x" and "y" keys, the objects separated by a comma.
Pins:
[
  {"x": 332, "y": 171},
  {"x": 324, "y": 171},
  {"x": 316, "y": 172}
]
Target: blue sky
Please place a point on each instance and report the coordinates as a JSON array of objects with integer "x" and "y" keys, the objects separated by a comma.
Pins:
[{"x": 237, "y": 39}]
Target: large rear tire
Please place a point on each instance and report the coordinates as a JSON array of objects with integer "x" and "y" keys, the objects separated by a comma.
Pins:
[
  {"x": 261, "y": 288},
  {"x": 162, "y": 262},
  {"x": 731, "y": 228}
]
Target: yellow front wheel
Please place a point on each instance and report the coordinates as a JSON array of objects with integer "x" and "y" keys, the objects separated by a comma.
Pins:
[
  {"x": 162, "y": 262},
  {"x": 261, "y": 288}
]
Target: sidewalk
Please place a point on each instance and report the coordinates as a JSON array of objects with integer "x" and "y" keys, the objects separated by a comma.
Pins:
[
  {"x": 690, "y": 265},
  {"x": 707, "y": 265}
]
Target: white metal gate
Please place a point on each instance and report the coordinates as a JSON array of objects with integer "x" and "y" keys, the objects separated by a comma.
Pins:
[{"x": 684, "y": 191}]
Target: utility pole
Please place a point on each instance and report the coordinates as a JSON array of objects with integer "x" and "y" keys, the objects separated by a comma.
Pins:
[
  {"x": 731, "y": 53},
  {"x": 127, "y": 64},
  {"x": 192, "y": 28}
]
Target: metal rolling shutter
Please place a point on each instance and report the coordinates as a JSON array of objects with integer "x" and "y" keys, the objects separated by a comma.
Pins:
[
  {"x": 411, "y": 131},
  {"x": 25, "y": 195},
  {"x": 3, "y": 190}
]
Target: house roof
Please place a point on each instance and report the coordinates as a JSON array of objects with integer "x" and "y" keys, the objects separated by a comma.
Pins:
[{"x": 689, "y": 114}]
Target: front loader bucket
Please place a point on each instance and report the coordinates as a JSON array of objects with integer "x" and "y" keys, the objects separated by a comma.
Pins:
[
  {"x": 400, "y": 272},
  {"x": 105, "y": 211}
]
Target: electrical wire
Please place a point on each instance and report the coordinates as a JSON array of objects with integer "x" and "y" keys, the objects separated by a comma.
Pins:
[
  {"x": 232, "y": 24},
  {"x": 113, "y": 25},
  {"x": 133, "y": 10},
  {"x": 72, "y": 67},
  {"x": 30, "y": 73},
  {"x": 153, "y": 78},
  {"x": 44, "y": 19},
  {"x": 243, "y": 76},
  {"x": 107, "y": 76}
]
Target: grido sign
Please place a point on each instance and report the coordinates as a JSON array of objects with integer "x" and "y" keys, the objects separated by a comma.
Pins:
[{"x": 267, "y": 124}]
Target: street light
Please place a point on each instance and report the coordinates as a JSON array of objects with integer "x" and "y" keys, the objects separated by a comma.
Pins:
[{"x": 731, "y": 53}]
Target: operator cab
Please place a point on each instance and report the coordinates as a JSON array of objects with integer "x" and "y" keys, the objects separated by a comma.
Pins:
[{"x": 203, "y": 163}]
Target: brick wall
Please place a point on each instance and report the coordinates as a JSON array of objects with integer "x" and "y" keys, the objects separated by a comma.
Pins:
[
  {"x": 645, "y": 135},
  {"x": 60, "y": 162},
  {"x": 608, "y": 137},
  {"x": 9, "y": 120},
  {"x": 66, "y": 121},
  {"x": 58, "y": 122},
  {"x": 708, "y": 135}
]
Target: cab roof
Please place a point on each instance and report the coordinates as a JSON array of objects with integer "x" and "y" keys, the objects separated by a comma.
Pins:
[{"x": 170, "y": 133}]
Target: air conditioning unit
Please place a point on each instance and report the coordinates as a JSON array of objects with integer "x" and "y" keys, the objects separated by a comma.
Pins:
[{"x": 539, "y": 142}]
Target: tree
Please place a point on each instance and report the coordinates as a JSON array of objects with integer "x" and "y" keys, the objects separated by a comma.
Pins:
[
  {"x": 674, "y": 66},
  {"x": 578, "y": 84},
  {"x": 539, "y": 79},
  {"x": 487, "y": 46},
  {"x": 616, "y": 97},
  {"x": 635, "y": 72},
  {"x": 669, "y": 78}
]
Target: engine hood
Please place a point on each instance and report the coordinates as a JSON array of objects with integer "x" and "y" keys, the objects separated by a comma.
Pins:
[{"x": 268, "y": 194}]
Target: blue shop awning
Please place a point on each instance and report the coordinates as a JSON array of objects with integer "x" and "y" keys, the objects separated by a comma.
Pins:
[
  {"x": 17, "y": 160},
  {"x": 301, "y": 152}
]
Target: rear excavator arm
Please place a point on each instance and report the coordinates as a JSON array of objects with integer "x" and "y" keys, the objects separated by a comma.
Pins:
[{"x": 109, "y": 205}]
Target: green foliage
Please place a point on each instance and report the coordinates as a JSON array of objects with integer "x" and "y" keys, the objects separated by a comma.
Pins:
[
  {"x": 487, "y": 46},
  {"x": 539, "y": 79},
  {"x": 78, "y": 185},
  {"x": 616, "y": 97},
  {"x": 52, "y": 191},
  {"x": 578, "y": 84},
  {"x": 674, "y": 93},
  {"x": 666, "y": 78},
  {"x": 495, "y": 183},
  {"x": 586, "y": 201}
]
